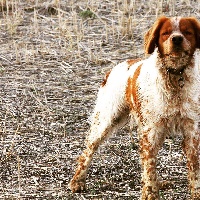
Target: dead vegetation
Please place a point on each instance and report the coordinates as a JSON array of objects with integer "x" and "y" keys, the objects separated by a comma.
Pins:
[{"x": 53, "y": 57}]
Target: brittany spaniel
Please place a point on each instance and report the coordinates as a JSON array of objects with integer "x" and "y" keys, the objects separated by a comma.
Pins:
[{"x": 161, "y": 94}]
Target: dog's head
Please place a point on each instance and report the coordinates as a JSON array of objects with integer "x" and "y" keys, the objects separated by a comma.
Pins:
[{"x": 176, "y": 38}]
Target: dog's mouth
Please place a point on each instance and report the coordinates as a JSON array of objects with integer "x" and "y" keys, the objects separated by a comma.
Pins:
[
  {"x": 177, "y": 53},
  {"x": 176, "y": 60}
]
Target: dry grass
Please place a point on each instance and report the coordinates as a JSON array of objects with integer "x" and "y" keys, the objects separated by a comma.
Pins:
[{"x": 52, "y": 59}]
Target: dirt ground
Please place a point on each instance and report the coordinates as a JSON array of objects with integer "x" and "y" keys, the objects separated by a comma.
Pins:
[{"x": 53, "y": 57}]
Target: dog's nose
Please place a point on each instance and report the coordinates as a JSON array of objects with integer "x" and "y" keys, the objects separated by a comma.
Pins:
[{"x": 177, "y": 40}]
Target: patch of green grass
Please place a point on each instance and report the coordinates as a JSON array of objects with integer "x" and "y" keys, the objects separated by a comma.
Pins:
[
  {"x": 2, "y": 69},
  {"x": 87, "y": 14}
]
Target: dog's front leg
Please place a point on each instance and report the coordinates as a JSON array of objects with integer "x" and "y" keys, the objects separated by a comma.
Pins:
[
  {"x": 150, "y": 143},
  {"x": 191, "y": 145}
]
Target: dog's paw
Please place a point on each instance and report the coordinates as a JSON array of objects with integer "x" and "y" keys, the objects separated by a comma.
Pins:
[{"x": 77, "y": 186}]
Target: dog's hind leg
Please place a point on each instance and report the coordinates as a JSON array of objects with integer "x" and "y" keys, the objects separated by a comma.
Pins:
[
  {"x": 95, "y": 138},
  {"x": 111, "y": 113}
]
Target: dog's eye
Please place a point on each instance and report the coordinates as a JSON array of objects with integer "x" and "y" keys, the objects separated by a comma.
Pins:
[
  {"x": 187, "y": 33},
  {"x": 166, "y": 33}
]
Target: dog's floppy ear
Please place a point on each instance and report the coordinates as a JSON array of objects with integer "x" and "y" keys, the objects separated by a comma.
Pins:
[
  {"x": 151, "y": 37},
  {"x": 196, "y": 26}
]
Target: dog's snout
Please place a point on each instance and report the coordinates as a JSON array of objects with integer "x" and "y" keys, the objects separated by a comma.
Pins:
[{"x": 177, "y": 40}]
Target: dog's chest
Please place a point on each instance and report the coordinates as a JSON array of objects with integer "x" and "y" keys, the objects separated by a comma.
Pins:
[{"x": 153, "y": 101}]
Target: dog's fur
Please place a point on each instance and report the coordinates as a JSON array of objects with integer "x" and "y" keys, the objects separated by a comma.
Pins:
[{"x": 161, "y": 93}]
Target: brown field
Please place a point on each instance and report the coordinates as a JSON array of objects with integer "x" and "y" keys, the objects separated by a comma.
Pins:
[{"x": 53, "y": 57}]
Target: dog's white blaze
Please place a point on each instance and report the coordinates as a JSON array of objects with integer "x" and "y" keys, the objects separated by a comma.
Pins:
[{"x": 175, "y": 23}]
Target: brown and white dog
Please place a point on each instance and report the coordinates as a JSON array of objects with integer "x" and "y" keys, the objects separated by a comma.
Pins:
[{"x": 161, "y": 93}]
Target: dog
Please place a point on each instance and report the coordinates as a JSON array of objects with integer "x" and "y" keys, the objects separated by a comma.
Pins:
[{"x": 161, "y": 94}]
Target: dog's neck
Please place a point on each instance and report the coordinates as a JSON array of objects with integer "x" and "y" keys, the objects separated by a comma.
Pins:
[{"x": 173, "y": 71}]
